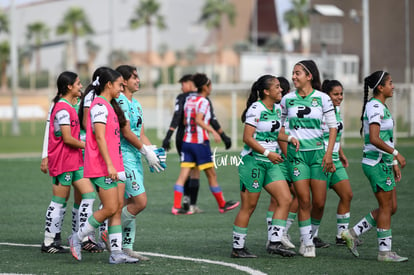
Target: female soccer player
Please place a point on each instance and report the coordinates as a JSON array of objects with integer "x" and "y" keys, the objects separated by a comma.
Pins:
[
  {"x": 380, "y": 165},
  {"x": 258, "y": 170},
  {"x": 134, "y": 142},
  {"x": 284, "y": 166},
  {"x": 103, "y": 165},
  {"x": 305, "y": 108},
  {"x": 196, "y": 151},
  {"x": 339, "y": 180},
  {"x": 65, "y": 162}
]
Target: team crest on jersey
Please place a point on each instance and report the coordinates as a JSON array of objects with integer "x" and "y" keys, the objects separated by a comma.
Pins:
[
  {"x": 68, "y": 177},
  {"x": 278, "y": 112},
  {"x": 139, "y": 111},
  {"x": 314, "y": 102},
  {"x": 296, "y": 172},
  {"x": 255, "y": 184},
  {"x": 135, "y": 186},
  {"x": 388, "y": 181}
]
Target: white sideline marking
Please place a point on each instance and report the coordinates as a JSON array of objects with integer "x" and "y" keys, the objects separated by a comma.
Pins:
[{"x": 235, "y": 266}]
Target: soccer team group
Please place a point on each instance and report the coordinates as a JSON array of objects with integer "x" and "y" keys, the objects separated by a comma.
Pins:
[{"x": 94, "y": 141}]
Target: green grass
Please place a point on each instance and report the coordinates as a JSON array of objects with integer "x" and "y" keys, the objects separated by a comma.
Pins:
[{"x": 26, "y": 192}]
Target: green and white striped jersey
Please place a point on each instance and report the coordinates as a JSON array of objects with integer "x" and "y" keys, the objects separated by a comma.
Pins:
[
  {"x": 376, "y": 112},
  {"x": 339, "y": 128},
  {"x": 305, "y": 117},
  {"x": 267, "y": 124}
]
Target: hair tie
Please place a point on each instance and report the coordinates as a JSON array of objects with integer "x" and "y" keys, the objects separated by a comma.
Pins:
[
  {"x": 96, "y": 82},
  {"x": 379, "y": 80}
]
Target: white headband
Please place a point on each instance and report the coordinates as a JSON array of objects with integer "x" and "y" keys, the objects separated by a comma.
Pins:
[
  {"x": 379, "y": 80},
  {"x": 96, "y": 82}
]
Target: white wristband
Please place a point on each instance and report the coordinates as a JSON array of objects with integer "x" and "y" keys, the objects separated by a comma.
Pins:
[
  {"x": 290, "y": 138},
  {"x": 395, "y": 162},
  {"x": 266, "y": 153},
  {"x": 395, "y": 153}
]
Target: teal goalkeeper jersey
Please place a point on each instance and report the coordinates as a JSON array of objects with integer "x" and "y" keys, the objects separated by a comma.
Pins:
[
  {"x": 376, "y": 112},
  {"x": 133, "y": 113},
  {"x": 305, "y": 117},
  {"x": 339, "y": 128},
  {"x": 267, "y": 124}
]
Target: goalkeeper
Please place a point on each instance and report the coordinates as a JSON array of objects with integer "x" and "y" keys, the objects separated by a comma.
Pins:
[
  {"x": 192, "y": 184},
  {"x": 134, "y": 143}
]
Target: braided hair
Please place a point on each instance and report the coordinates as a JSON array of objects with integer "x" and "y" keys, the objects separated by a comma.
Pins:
[{"x": 372, "y": 81}]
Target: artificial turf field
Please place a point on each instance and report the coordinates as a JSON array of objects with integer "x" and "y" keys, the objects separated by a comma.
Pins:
[{"x": 199, "y": 243}]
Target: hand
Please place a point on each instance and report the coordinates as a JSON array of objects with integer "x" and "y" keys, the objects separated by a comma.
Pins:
[
  {"x": 397, "y": 173},
  {"x": 149, "y": 154},
  {"x": 166, "y": 144},
  {"x": 344, "y": 161},
  {"x": 401, "y": 160},
  {"x": 275, "y": 158},
  {"x": 295, "y": 143},
  {"x": 327, "y": 163},
  {"x": 216, "y": 136},
  {"x": 44, "y": 165},
  {"x": 112, "y": 173},
  {"x": 226, "y": 140}
]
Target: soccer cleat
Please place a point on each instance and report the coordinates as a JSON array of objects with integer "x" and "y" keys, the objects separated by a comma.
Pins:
[
  {"x": 195, "y": 210},
  {"x": 319, "y": 243},
  {"x": 230, "y": 205},
  {"x": 350, "y": 242},
  {"x": 91, "y": 246},
  {"x": 75, "y": 246},
  {"x": 53, "y": 248},
  {"x": 119, "y": 257},
  {"x": 134, "y": 254},
  {"x": 389, "y": 256},
  {"x": 340, "y": 241},
  {"x": 241, "y": 253},
  {"x": 104, "y": 242},
  {"x": 307, "y": 251},
  {"x": 186, "y": 203},
  {"x": 278, "y": 248},
  {"x": 286, "y": 241},
  {"x": 179, "y": 211}
]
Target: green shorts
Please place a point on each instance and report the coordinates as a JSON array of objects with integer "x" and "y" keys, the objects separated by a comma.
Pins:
[
  {"x": 339, "y": 175},
  {"x": 255, "y": 174},
  {"x": 380, "y": 176},
  {"x": 67, "y": 178},
  {"x": 284, "y": 166},
  {"x": 306, "y": 164},
  {"x": 105, "y": 183}
]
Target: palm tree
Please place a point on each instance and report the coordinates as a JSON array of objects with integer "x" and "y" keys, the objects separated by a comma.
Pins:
[
  {"x": 212, "y": 15},
  {"x": 4, "y": 61},
  {"x": 4, "y": 22},
  {"x": 36, "y": 32},
  {"x": 75, "y": 22},
  {"x": 147, "y": 14},
  {"x": 298, "y": 17}
]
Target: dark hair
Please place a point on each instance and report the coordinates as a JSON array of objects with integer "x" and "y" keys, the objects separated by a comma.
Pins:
[
  {"x": 257, "y": 91},
  {"x": 91, "y": 87},
  {"x": 284, "y": 84},
  {"x": 200, "y": 80},
  {"x": 310, "y": 68},
  {"x": 126, "y": 71},
  {"x": 328, "y": 85},
  {"x": 64, "y": 79},
  {"x": 106, "y": 76},
  {"x": 185, "y": 78},
  {"x": 372, "y": 81}
]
